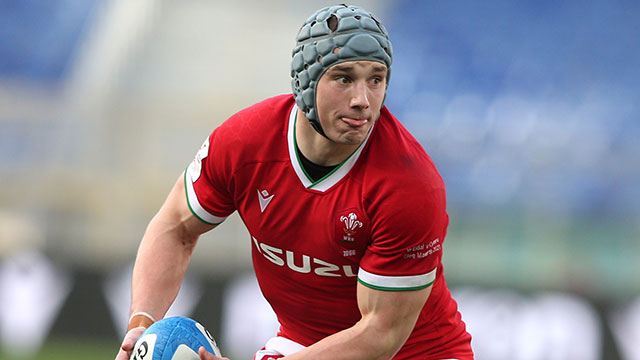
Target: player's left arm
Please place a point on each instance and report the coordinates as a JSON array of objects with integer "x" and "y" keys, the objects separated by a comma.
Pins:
[{"x": 388, "y": 317}]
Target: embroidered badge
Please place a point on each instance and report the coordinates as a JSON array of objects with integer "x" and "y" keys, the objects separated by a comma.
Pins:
[{"x": 350, "y": 227}]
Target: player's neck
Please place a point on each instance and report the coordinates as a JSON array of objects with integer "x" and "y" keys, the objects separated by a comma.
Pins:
[{"x": 317, "y": 148}]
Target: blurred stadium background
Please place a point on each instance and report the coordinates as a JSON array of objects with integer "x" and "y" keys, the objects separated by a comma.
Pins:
[{"x": 529, "y": 108}]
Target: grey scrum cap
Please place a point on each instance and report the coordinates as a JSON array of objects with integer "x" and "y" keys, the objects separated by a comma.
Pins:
[{"x": 330, "y": 36}]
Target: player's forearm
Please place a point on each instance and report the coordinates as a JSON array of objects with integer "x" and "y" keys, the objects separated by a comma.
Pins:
[
  {"x": 388, "y": 317},
  {"x": 162, "y": 260},
  {"x": 366, "y": 340}
]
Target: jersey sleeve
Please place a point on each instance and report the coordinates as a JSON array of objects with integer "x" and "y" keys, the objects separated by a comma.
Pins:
[
  {"x": 406, "y": 244},
  {"x": 206, "y": 184}
]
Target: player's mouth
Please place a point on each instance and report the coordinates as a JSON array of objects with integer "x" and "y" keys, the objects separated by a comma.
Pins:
[{"x": 354, "y": 121}]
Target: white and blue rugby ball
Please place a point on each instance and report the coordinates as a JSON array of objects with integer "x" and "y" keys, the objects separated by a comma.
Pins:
[{"x": 174, "y": 338}]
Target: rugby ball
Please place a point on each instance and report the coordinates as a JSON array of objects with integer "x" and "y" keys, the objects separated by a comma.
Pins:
[{"x": 174, "y": 338}]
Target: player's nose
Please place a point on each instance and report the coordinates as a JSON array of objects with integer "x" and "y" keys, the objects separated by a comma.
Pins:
[{"x": 359, "y": 96}]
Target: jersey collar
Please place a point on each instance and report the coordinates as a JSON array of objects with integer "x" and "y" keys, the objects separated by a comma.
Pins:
[{"x": 331, "y": 178}]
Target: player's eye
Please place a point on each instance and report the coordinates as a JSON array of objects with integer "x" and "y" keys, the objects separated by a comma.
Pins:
[{"x": 342, "y": 79}]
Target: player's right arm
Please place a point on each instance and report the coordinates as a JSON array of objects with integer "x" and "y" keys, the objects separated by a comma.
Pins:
[{"x": 162, "y": 260}]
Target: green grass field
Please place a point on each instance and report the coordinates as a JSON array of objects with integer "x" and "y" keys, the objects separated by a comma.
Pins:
[{"x": 69, "y": 349}]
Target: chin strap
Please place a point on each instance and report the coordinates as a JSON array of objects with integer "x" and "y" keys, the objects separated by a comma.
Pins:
[{"x": 318, "y": 128}]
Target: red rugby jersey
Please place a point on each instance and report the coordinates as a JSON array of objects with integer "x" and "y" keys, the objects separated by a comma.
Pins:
[{"x": 378, "y": 218}]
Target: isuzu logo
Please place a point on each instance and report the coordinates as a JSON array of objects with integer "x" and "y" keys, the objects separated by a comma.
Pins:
[{"x": 304, "y": 264}]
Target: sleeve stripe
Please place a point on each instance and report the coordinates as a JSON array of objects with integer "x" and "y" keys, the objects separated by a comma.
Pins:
[
  {"x": 397, "y": 283},
  {"x": 194, "y": 204}
]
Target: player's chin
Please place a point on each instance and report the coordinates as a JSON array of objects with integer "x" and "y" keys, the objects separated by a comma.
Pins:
[{"x": 354, "y": 137}]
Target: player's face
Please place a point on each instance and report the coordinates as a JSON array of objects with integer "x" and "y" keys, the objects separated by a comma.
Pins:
[{"x": 349, "y": 97}]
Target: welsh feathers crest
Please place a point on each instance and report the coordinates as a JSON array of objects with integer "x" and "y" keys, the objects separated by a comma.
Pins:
[{"x": 351, "y": 225}]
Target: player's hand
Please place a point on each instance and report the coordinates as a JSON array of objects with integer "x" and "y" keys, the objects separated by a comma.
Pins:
[
  {"x": 205, "y": 355},
  {"x": 129, "y": 342}
]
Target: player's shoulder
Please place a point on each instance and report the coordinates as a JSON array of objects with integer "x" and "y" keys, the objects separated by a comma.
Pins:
[
  {"x": 398, "y": 178},
  {"x": 267, "y": 115},
  {"x": 397, "y": 156},
  {"x": 255, "y": 125},
  {"x": 275, "y": 105},
  {"x": 254, "y": 134},
  {"x": 401, "y": 187}
]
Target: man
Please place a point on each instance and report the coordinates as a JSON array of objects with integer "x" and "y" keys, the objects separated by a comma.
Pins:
[{"x": 347, "y": 213}]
